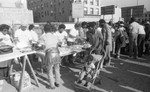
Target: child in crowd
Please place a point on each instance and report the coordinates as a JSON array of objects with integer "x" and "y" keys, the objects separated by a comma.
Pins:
[
  {"x": 52, "y": 57},
  {"x": 87, "y": 71}
]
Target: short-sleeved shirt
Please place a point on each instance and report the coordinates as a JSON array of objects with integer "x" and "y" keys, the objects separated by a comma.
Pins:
[
  {"x": 73, "y": 32},
  {"x": 24, "y": 38},
  {"x": 134, "y": 27},
  {"x": 89, "y": 67},
  {"x": 141, "y": 30},
  {"x": 6, "y": 39},
  {"x": 34, "y": 35},
  {"x": 50, "y": 40},
  {"x": 61, "y": 36}
]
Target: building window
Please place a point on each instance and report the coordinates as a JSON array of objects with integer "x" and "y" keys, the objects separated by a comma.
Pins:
[
  {"x": 85, "y": 10},
  {"x": 45, "y": 13},
  {"x": 85, "y": 1},
  {"x": 91, "y": 10},
  {"x": 145, "y": 15},
  {"x": 51, "y": 4},
  {"x": 39, "y": 15},
  {"x": 91, "y": 2},
  {"x": 59, "y": 11},
  {"x": 38, "y": 7},
  {"x": 52, "y": 13},
  {"x": 63, "y": 11},
  {"x": 42, "y": 14},
  {"x": 70, "y": 11},
  {"x": 34, "y": 8},
  {"x": 42, "y": 6},
  {"x": 97, "y": 11},
  {"x": 97, "y": 2},
  {"x": 62, "y": 1}
]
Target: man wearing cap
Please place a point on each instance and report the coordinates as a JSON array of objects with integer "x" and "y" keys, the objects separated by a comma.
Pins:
[{"x": 23, "y": 37}]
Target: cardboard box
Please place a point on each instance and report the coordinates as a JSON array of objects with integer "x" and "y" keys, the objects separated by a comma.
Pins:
[{"x": 15, "y": 79}]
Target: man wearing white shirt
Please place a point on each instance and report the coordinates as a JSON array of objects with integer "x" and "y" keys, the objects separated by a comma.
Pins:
[
  {"x": 23, "y": 37},
  {"x": 73, "y": 34},
  {"x": 62, "y": 34},
  {"x": 141, "y": 39}
]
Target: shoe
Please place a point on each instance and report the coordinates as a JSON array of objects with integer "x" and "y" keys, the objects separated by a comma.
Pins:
[
  {"x": 86, "y": 84},
  {"x": 56, "y": 84}
]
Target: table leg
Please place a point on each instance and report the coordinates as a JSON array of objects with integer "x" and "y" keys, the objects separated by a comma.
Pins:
[
  {"x": 22, "y": 74},
  {"x": 28, "y": 61}
]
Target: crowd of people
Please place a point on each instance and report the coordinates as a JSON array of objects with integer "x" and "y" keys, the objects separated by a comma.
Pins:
[{"x": 108, "y": 39}]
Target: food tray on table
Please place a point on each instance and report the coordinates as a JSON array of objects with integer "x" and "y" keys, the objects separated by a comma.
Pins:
[
  {"x": 5, "y": 49},
  {"x": 86, "y": 46},
  {"x": 76, "y": 47},
  {"x": 64, "y": 50}
]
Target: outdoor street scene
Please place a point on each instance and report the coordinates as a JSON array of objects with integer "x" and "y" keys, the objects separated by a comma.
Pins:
[
  {"x": 74, "y": 46},
  {"x": 123, "y": 75}
]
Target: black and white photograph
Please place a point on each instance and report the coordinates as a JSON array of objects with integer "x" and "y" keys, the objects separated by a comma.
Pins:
[{"x": 74, "y": 46}]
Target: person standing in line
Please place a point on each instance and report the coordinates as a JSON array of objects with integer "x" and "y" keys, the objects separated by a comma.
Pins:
[
  {"x": 147, "y": 37},
  {"x": 113, "y": 36},
  {"x": 141, "y": 39},
  {"x": 107, "y": 41},
  {"x": 133, "y": 34},
  {"x": 52, "y": 57},
  {"x": 119, "y": 39}
]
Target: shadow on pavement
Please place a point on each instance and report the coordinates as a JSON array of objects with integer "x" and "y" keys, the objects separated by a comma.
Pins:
[
  {"x": 125, "y": 77},
  {"x": 68, "y": 77}
]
